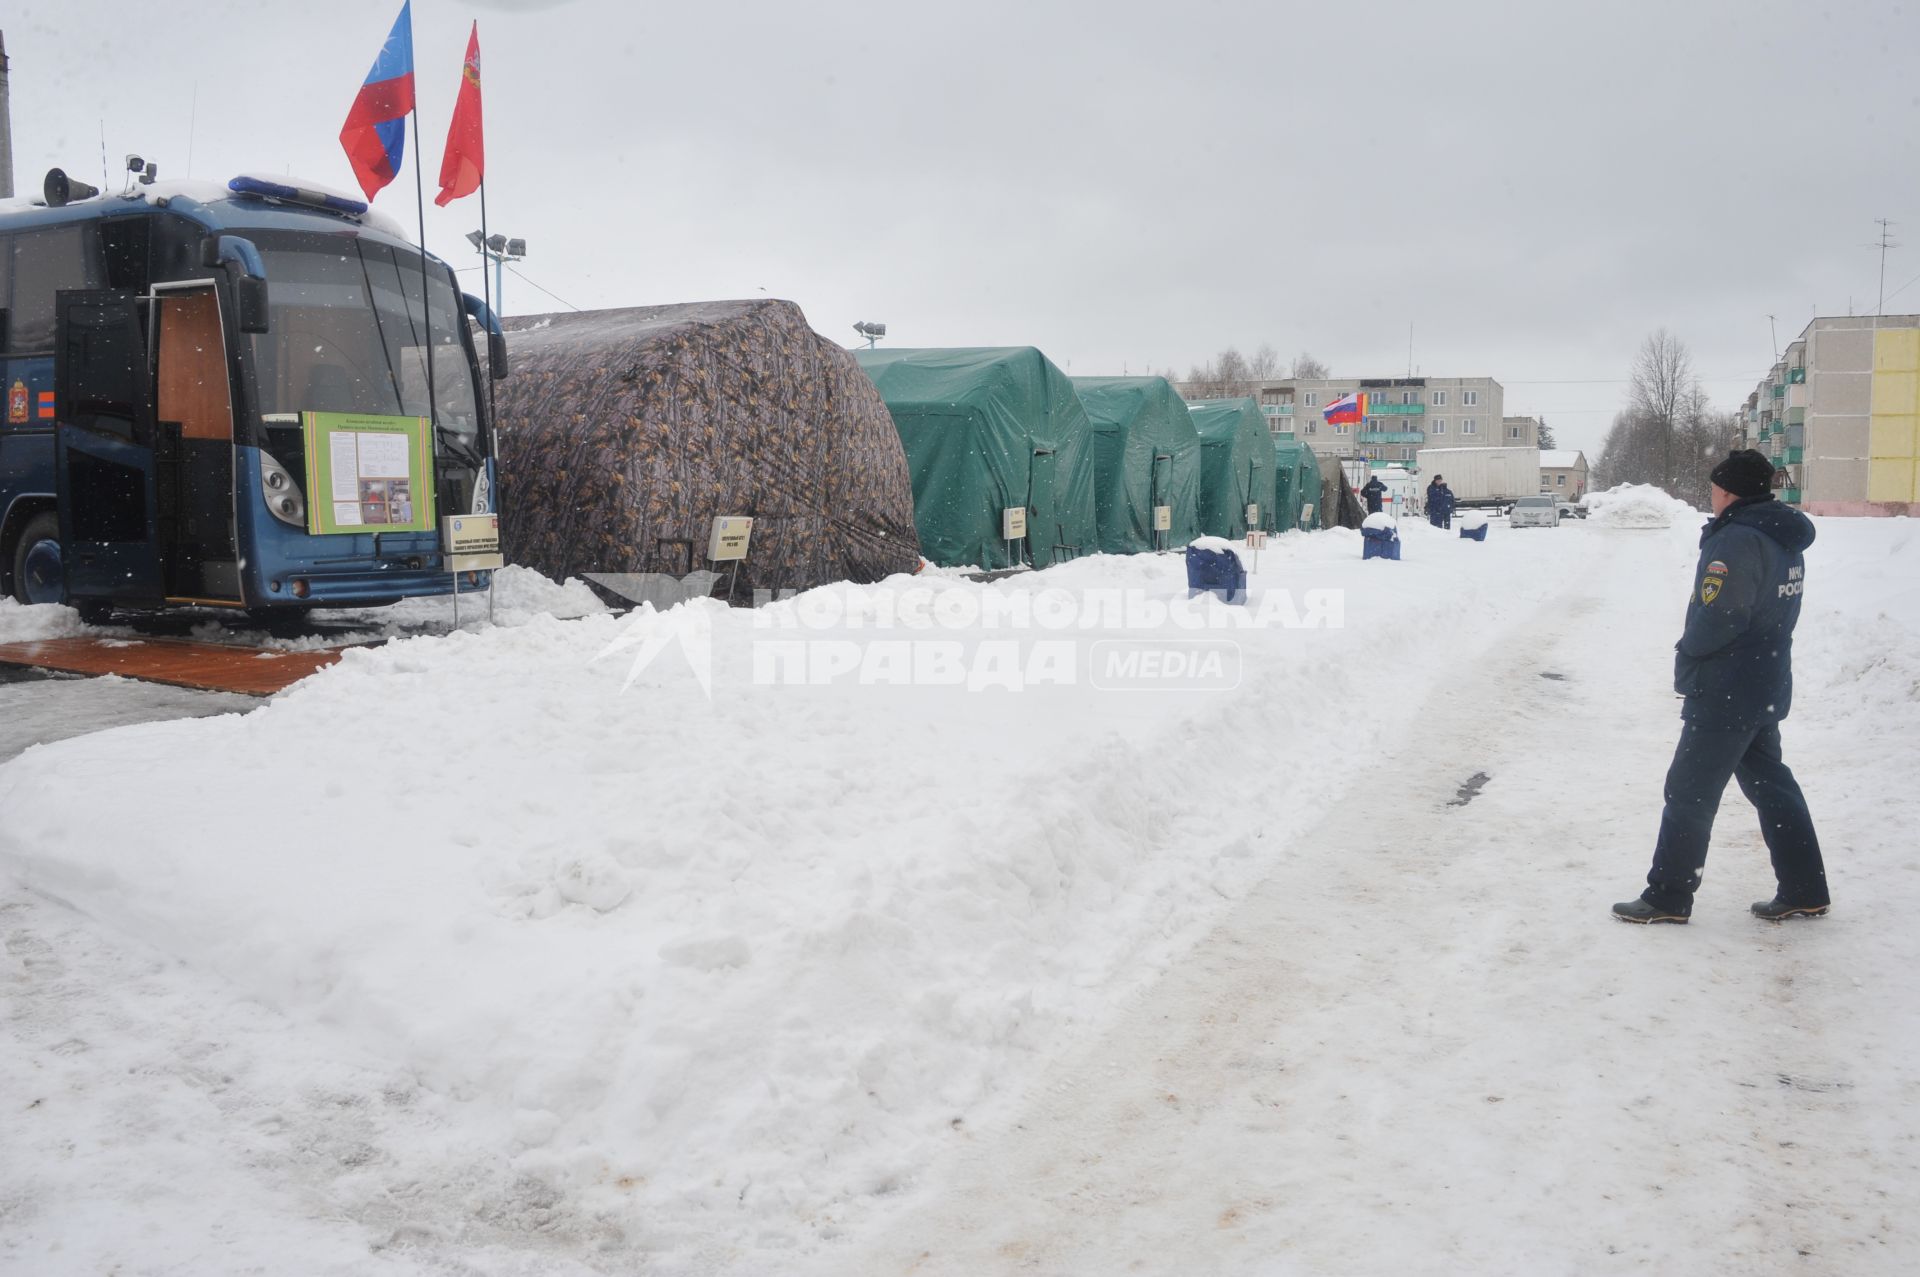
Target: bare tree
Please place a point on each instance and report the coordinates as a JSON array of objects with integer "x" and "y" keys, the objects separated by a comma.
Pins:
[
  {"x": 1642, "y": 449},
  {"x": 1307, "y": 368},
  {"x": 1630, "y": 454},
  {"x": 1265, "y": 364},
  {"x": 1228, "y": 376},
  {"x": 1662, "y": 393}
]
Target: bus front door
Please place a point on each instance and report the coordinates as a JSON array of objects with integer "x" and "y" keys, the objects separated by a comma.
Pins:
[
  {"x": 103, "y": 450},
  {"x": 193, "y": 448}
]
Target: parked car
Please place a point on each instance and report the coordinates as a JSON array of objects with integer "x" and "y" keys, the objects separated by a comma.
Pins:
[
  {"x": 1533, "y": 512},
  {"x": 1568, "y": 510}
]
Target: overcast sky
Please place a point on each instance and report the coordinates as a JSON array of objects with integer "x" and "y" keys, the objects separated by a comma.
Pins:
[{"x": 1533, "y": 187}]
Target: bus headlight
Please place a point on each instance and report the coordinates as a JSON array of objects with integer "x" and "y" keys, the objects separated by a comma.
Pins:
[{"x": 282, "y": 496}]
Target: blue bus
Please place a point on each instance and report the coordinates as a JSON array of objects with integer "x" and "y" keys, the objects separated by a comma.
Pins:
[{"x": 162, "y": 355}]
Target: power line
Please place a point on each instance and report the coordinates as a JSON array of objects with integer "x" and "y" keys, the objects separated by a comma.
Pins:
[
  {"x": 1903, "y": 288},
  {"x": 556, "y": 296}
]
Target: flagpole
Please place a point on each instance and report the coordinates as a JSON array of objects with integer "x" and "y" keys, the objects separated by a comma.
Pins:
[
  {"x": 486, "y": 292},
  {"x": 426, "y": 312}
]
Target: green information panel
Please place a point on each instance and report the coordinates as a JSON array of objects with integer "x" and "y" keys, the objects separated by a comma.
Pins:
[{"x": 368, "y": 473}]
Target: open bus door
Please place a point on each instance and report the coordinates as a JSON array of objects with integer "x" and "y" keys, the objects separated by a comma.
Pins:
[
  {"x": 145, "y": 463},
  {"x": 193, "y": 447},
  {"x": 103, "y": 450}
]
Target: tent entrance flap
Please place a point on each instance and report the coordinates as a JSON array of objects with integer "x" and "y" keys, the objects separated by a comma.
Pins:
[{"x": 1043, "y": 527}]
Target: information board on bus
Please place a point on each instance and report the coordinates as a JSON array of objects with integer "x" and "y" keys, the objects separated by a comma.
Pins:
[{"x": 367, "y": 473}]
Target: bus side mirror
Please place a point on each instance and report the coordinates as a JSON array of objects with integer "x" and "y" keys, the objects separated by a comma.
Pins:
[
  {"x": 241, "y": 260},
  {"x": 480, "y": 314},
  {"x": 250, "y": 303}
]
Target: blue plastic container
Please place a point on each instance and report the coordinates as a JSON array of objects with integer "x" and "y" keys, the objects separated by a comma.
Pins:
[
  {"x": 1379, "y": 543},
  {"x": 1218, "y": 570},
  {"x": 1475, "y": 534}
]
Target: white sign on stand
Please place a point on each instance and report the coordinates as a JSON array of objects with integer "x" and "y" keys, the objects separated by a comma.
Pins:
[
  {"x": 1253, "y": 516},
  {"x": 1256, "y": 540},
  {"x": 1163, "y": 518},
  {"x": 471, "y": 542},
  {"x": 729, "y": 537},
  {"x": 1013, "y": 527}
]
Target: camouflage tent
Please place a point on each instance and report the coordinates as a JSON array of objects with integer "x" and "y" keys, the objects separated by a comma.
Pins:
[
  {"x": 623, "y": 433},
  {"x": 987, "y": 430}
]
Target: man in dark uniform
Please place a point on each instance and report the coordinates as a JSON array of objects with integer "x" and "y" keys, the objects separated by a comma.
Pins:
[
  {"x": 1439, "y": 502},
  {"x": 1734, "y": 666},
  {"x": 1374, "y": 492}
]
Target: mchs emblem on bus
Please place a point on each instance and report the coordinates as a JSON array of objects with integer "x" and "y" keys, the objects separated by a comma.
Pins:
[{"x": 17, "y": 403}]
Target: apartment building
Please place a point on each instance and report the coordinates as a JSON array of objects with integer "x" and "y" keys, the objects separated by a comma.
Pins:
[
  {"x": 1839, "y": 415},
  {"x": 1404, "y": 414}
]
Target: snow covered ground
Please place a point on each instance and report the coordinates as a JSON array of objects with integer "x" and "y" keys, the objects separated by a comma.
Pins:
[{"x": 903, "y": 927}]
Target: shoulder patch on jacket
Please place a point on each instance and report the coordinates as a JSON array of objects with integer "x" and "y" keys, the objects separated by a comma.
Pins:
[{"x": 1712, "y": 580}]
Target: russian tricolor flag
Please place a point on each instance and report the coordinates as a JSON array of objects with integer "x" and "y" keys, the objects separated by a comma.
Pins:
[
  {"x": 1345, "y": 410},
  {"x": 375, "y": 136}
]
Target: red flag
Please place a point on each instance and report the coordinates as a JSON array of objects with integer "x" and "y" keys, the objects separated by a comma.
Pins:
[{"x": 464, "y": 166}]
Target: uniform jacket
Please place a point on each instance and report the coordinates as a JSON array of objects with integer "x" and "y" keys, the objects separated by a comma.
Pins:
[
  {"x": 1373, "y": 492},
  {"x": 1734, "y": 663},
  {"x": 1439, "y": 498}
]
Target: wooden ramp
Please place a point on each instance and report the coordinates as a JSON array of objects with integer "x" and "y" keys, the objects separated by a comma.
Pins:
[{"x": 211, "y": 667}]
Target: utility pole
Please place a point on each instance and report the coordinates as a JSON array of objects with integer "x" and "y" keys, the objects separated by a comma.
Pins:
[
  {"x": 1884, "y": 244},
  {"x": 6, "y": 126},
  {"x": 1774, "y": 329}
]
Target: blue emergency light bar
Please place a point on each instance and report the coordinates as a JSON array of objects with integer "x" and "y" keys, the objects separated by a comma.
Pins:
[{"x": 296, "y": 195}]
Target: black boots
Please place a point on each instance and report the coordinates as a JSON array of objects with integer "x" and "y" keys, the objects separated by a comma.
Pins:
[
  {"x": 1641, "y": 911},
  {"x": 1777, "y": 910}
]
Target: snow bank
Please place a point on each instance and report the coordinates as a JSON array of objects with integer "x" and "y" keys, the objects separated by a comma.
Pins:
[
  {"x": 21, "y": 622},
  {"x": 1637, "y": 505},
  {"x": 710, "y": 968}
]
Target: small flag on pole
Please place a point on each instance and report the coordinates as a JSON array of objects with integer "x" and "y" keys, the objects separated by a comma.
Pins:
[
  {"x": 464, "y": 166},
  {"x": 1345, "y": 410},
  {"x": 375, "y": 135}
]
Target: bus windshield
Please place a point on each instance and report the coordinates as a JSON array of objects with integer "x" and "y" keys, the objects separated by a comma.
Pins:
[{"x": 347, "y": 333}]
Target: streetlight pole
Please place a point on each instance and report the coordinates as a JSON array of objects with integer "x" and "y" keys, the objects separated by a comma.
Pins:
[{"x": 499, "y": 250}]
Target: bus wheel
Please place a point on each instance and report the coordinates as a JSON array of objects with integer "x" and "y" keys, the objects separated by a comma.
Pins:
[{"x": 37, "y": 577}]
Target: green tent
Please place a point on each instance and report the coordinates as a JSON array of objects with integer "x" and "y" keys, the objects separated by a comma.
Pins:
[
  {"x": 987, "y": 430},
  {"x": 1145, "y": 455},
  {"x": 1296, "y": 485},
  {"x": 1236, "y": 465}
]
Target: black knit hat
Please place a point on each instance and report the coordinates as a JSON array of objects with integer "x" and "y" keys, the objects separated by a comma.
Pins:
[{"x": 1745, "y": 473}]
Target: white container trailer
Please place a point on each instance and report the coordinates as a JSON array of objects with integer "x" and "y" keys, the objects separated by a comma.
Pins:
[{"x": 1484, "y": 476}]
